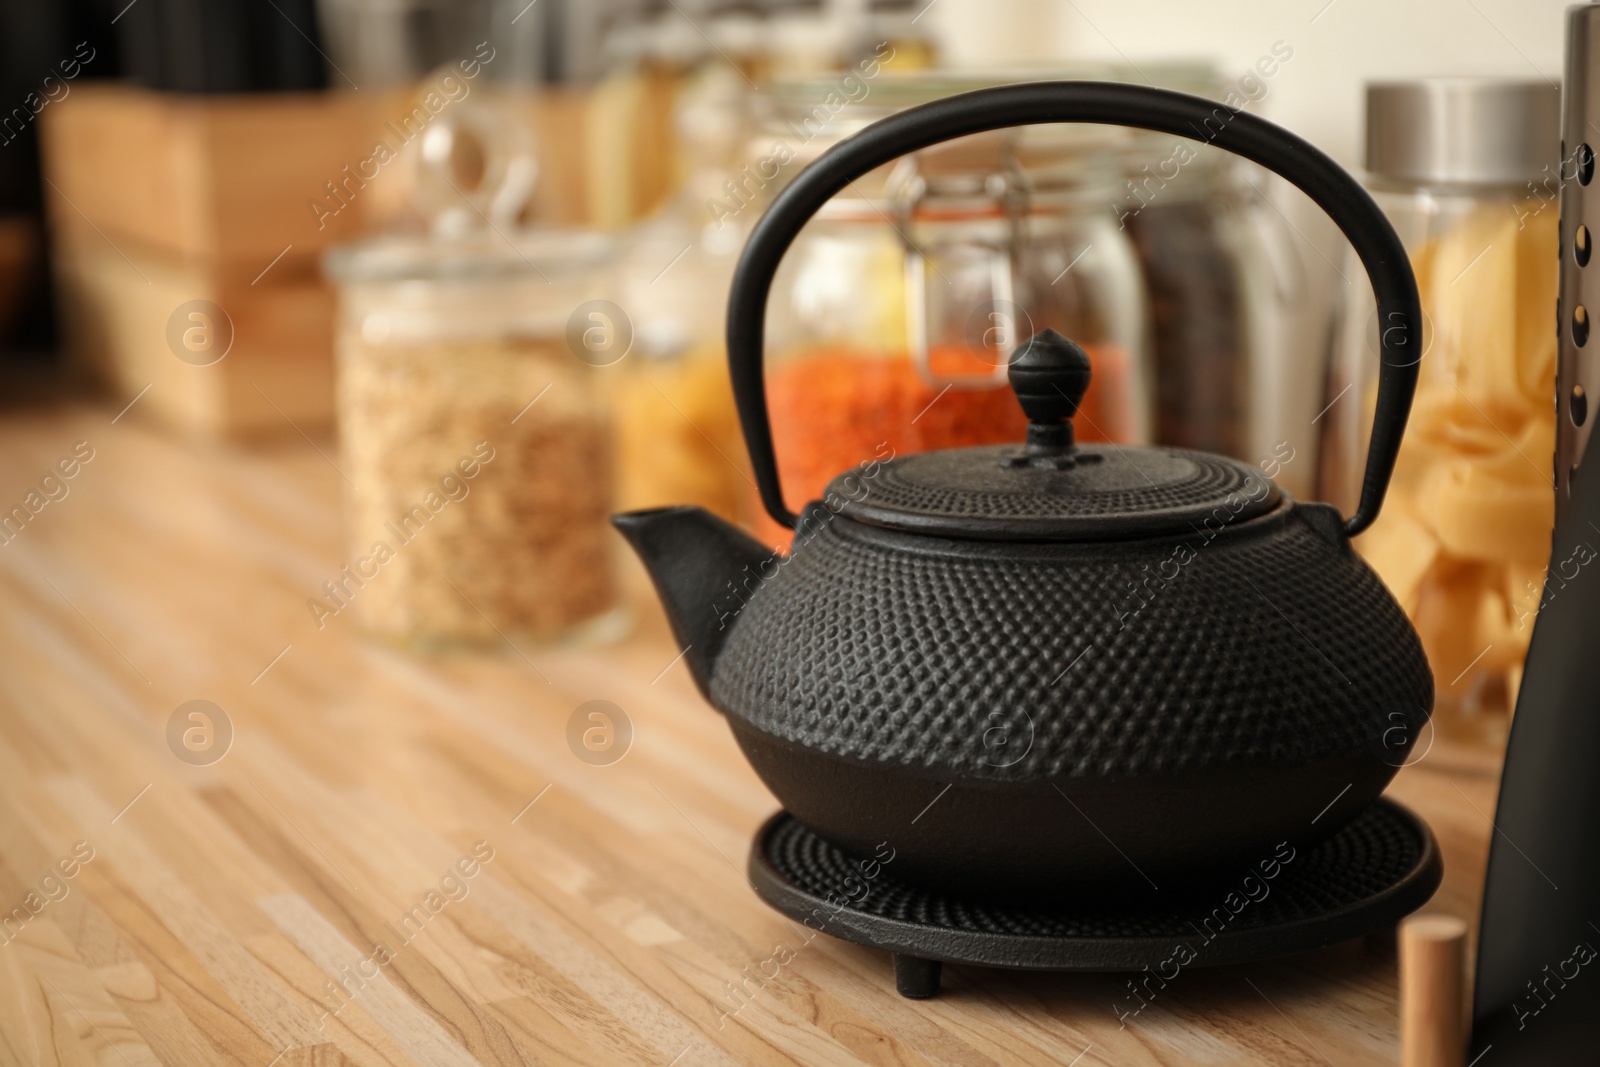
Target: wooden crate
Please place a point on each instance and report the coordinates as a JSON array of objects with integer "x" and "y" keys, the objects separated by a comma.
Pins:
[
  {"x": 226, "y": 179},
  {"x": 158, "y": 199},
  {"x": 276, "y": 377}
]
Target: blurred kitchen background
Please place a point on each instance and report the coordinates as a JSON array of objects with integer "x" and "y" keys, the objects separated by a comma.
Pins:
[{"x": 496, "y": 236}]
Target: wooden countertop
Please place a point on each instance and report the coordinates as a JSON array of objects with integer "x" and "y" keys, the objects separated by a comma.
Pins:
[{"x": 606, "y": 909}]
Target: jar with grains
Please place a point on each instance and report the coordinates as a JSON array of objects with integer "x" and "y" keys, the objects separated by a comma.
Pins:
[
  {"x": 1464, "y": 537},
  {"x": 895, "y": 312},
  {"x": 475, "y": 438}
]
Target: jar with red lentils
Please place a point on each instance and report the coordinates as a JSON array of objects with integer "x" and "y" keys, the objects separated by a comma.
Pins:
[{"x": 895, "y": 313}]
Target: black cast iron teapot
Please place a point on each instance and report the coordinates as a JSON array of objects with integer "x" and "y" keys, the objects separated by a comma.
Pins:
[{"x": 1056, "y": 666}]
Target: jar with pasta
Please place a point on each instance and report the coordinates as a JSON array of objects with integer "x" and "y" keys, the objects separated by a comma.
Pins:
[
  {"x": 476, "y": 444},
  {"x": 1465, "y": 534},
  {"x": 894, "y": 315}
]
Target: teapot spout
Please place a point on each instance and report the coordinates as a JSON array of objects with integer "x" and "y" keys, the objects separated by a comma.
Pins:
[{"x": 704, "y": 570}]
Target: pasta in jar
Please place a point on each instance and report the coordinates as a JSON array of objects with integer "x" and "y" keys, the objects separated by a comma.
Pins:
[{"x": 1464, "y": 537}]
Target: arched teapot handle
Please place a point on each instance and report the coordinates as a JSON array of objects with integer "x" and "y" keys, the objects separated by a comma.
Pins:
[{"x": 1105, "y": 103}]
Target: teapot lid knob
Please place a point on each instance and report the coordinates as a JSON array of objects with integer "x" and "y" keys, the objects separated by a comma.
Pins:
[{"x": 1049, "y": 374}]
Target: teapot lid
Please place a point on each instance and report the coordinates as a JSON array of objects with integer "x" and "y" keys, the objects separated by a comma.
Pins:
[{"x": 1050, "y": 488}]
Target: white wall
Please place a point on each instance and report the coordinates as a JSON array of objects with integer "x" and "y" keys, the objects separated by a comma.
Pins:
[{"x": 1337, "y": 46}]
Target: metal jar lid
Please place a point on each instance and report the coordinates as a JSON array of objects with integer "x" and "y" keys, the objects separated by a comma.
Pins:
[{"x": 1462, "y": 131}]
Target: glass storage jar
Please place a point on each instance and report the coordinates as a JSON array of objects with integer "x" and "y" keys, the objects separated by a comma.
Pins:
[
  {"x": 1465, "y": 533},
  {"x": 475, "y": 438},
  {"x": 1226, "y": 286},
  {"x": 678, "y": 438},
  {"x": 895, "y": 312}
]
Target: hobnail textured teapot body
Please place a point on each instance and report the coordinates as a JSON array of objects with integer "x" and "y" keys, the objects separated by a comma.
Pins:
[{"x": 1096, "y": 711}]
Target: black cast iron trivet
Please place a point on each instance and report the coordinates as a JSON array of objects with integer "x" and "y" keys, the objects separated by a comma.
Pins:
[{"x": 1368, "y": 876}]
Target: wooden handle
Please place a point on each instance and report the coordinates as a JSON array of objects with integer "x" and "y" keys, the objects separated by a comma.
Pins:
[{"x": 1433, "y": 993}]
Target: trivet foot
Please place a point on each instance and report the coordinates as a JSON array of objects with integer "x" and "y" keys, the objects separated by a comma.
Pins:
[{"x": 915, "y": 977}]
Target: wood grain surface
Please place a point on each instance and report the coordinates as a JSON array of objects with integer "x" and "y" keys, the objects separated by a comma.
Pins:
[{"x": 306, "y": 898}]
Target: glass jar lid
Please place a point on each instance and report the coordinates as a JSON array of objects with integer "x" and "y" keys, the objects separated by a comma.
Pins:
[
  {"x": 829, "y": 108},
  {"x": 802, "y": 117},
  {"x": 470, "y": 176},
  {"x": 814, "y": 112},
  {"x": 1151, "y": 161},
  {"x": 493, "y": 254}
]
